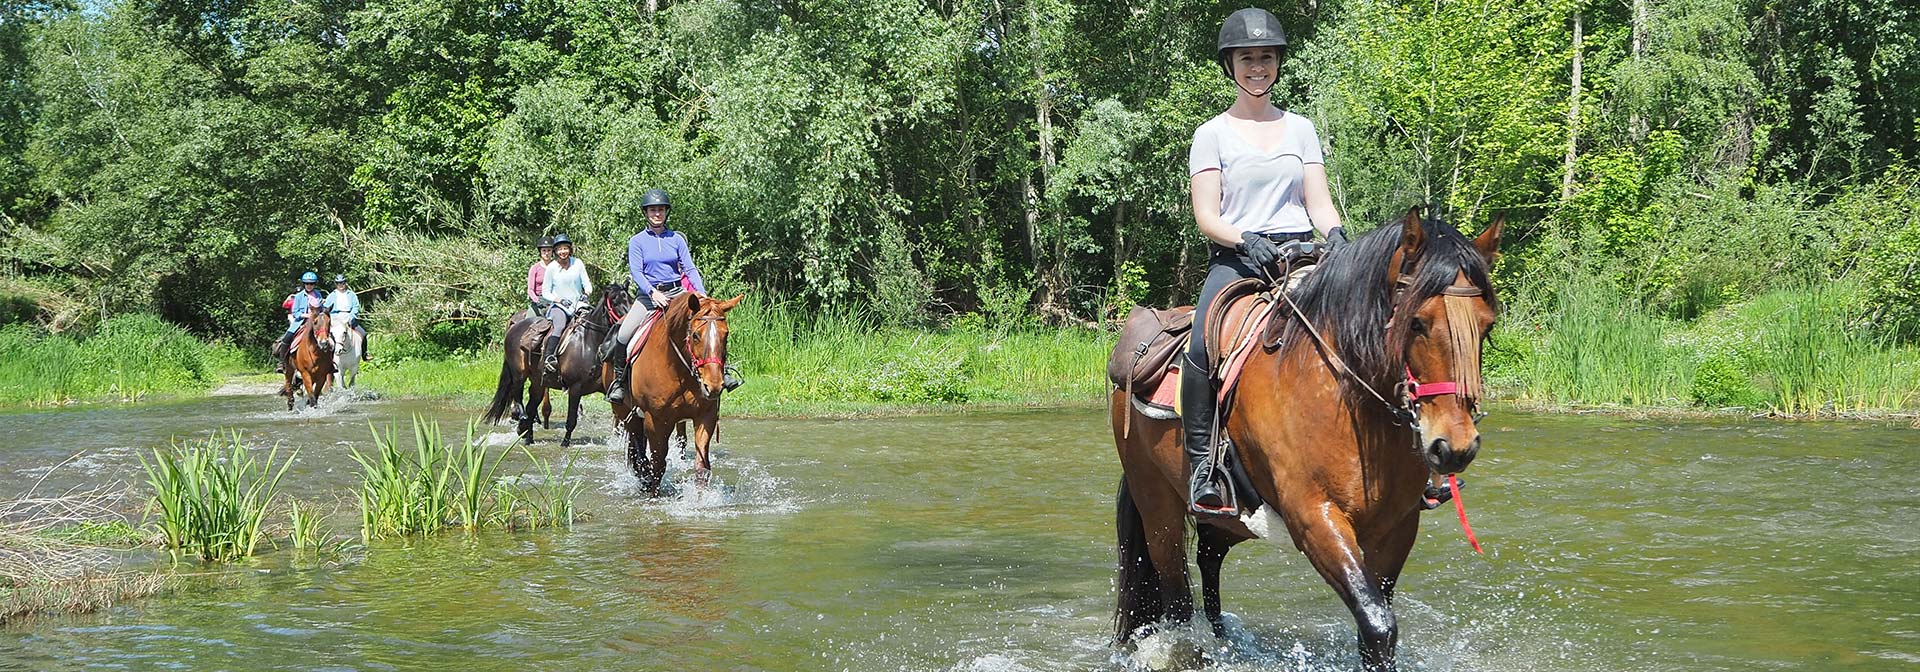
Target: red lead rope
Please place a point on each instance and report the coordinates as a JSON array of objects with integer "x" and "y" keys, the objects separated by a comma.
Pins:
[{"x": 1460, "y": 505}]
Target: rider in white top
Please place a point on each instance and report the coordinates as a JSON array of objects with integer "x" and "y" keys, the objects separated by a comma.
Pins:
[
  {"x": 343, "y": 307},
  {"x": 1258, "y": 180},
  {"x": 566, "y": 290}
]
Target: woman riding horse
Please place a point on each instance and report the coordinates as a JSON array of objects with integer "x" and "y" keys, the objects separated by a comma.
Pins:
[
  {"x": 1259, "y": 179},
  {"x": 299, "y": 306},
  {"x": 566, "y": 290},
  {"x": 660, "y": 260}
]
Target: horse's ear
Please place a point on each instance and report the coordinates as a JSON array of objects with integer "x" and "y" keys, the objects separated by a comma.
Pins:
[
  {"x": 1488, "y": 242},
  {"x": 729, "y": 303},
  {"x": 1412, "y": 234}
]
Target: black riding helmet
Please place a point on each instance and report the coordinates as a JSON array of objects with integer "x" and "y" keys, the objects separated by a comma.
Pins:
[
  {"x": 655, "y": 197},
  {"x": 1250, "y": 27},
  {"x": 545, "y": 242}
]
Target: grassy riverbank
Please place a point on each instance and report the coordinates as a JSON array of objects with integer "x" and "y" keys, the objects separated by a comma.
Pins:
[
  {"x": 1788, "y": 352},
  {"x": 131, "y": 358}
]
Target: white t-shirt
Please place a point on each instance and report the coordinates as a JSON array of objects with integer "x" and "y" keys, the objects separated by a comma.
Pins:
[
  {"x": 567, "y": 284},
  {"x": 1260, "y": 191}
]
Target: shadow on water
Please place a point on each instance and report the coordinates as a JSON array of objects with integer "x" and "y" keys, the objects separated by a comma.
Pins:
[{"x": 983, "y": 542}]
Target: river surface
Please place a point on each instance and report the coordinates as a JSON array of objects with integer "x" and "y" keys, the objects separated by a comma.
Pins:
[{"x": 983, "y": 542}]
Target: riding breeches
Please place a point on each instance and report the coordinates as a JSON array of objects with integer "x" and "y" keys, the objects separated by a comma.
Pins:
[
  {"x": 638, "y": 316},
  {"x": 559, "y": 317}
]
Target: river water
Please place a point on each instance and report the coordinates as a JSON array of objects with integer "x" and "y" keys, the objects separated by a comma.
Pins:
[{"x": 983, "y": 541}]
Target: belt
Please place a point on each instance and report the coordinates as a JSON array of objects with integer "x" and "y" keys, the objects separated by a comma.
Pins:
[{"x": 667, "y": 286}]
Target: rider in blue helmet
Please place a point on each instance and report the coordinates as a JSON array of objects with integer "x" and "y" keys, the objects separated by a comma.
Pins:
[
  {"x": 344, "y": 306},
  {"x": 302, "y": 302}
]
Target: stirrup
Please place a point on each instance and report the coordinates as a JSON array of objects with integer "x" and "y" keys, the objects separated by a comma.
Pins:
[{"x": 730, "y": 378}]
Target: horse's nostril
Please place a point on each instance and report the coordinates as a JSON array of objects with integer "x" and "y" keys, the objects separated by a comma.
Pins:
[{"x": 1438, "y": 448}]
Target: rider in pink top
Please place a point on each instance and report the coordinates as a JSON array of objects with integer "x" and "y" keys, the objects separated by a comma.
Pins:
[{"x": 537, "y": 277}]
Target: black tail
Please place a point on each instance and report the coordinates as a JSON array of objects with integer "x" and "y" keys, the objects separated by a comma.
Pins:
[
  {"x": 1140, "y": 598},
  {"x": 509, "y": 387}
]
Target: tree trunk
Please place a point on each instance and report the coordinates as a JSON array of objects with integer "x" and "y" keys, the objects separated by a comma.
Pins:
[
  {"x": 1637, "y": 126},
  {"x": 1573, "y": 113}
]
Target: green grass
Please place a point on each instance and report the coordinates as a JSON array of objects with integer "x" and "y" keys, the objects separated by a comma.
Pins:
[
  {"x": 440, "y": 485},
  {"x": 798, "y": 362},
  {"x": 1792, "y": 352},
  {"x": 212, "y": 496},
  {"x": 132, "y": 357}
]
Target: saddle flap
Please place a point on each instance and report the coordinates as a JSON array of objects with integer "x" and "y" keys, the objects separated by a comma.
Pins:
[
  {"x": 535, "y": 337},
  {"x": 1239, "y": 303},
  {"x": 640, "y": 336},
  {"x": 1147, "y": 345}
]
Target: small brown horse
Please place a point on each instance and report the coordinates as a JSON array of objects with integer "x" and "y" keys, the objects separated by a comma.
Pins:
[
  {"x": 310, "y": 358},
  {"x": 677, "y": 377},
  {"x": 1346, "y": 470}
]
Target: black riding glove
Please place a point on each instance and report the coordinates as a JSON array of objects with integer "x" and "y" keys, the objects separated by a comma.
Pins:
[
  {"x": 1257, "y": 249},
  {"x": 1336, "y": 237}
]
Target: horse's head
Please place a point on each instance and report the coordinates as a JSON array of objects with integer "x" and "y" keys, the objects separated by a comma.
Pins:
[
  {"x": 619, "y": 296},
  {"x": 707, "y": 341},
  {"x": 1443, "y": 310},
  {"x": 322, "y": 325}
]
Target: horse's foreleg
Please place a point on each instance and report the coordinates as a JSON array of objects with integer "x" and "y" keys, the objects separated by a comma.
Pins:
[
  {"x": 1211, "y": 551},
  {"x": 1387, "y": 558},
  {"x": 704, "y": 431},
  {"x": 546, "y": 410},
  {"x": 288, "y": 389},
  {"x": 1330, "y": 545},
  {"x": 573, "y": 415},
  {"x": 657, "y": 436}
]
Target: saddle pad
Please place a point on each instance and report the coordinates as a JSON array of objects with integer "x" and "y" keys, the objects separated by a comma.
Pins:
[
  {"x": 640, "y": 336},
  {"x": 1167, "y": 393}
]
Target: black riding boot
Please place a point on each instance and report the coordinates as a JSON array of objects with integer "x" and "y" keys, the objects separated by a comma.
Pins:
[
  {"x": 1196, "y": 419},
  {"x": 366, "y": 347},
  {"x": 551, "y": 351},
  {"x": 730, "y": 378},
  {"x": 615, "y": 352},
  {"x": 280, "y": 352}
]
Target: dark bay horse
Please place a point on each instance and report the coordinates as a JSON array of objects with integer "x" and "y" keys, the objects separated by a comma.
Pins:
[
  {"x": 678, "y": 377},
  {"x": 1345, "y": 470},
  {"x": 310, "y": 358},
  {"x": 580, "y": 372}
]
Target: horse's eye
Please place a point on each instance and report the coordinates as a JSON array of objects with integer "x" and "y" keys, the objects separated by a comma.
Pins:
[{"x": 1419, "y": 327}]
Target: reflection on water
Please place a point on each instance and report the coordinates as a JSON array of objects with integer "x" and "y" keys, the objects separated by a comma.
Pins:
[{"x": 984, "y": 542}]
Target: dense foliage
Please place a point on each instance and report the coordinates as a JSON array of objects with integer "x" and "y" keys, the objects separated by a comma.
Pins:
[{"x": 918, "y": 160}]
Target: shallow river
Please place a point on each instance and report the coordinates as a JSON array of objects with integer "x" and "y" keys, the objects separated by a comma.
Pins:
[{"x": 984, "y": 542}]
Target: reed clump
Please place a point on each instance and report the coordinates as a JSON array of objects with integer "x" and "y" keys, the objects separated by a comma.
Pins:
[
  {"x": 441, "y": 484},
  {"x": 130, "y": 357},
  {"x": 56, "y": 554},
  {"x": 212, "y": 496}
]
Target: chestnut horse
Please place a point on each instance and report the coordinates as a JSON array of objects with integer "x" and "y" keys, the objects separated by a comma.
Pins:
[
  {"x": 1329, "y": 430},
  {"x": 677, "y": 377},
  {"x": 310, "y": 358}
]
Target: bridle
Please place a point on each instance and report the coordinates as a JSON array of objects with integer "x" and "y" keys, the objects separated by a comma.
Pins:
[{"x": 1410, "y": 392}]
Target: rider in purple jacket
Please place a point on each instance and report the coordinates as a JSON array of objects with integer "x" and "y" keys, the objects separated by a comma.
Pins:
[{"x": 661, "y": 264}]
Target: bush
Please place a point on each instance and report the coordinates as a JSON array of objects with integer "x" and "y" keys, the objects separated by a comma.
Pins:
[{"x": 1719, "y": 382}]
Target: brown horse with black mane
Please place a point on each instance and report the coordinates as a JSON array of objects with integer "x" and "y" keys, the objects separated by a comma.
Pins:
[
  {"x": 1332, "y": 428},
  {"x": 678, "y": 376},
  {"x": 310, "y": 358}
]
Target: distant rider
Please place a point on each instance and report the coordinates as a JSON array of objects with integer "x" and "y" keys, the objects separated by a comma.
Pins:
[
  {"x": 566, "y": 288},
  {"x": 302, "y": 302},
  {"x": 537, "y": 278},
  {"x": 343, "y": 304},
  {"x": 660, "y": 262}
]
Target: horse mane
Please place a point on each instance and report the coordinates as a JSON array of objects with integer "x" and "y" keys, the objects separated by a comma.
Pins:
[{"x": 1349, "y": 299}]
